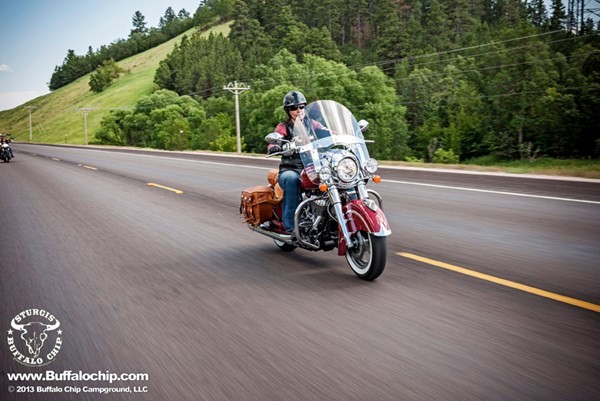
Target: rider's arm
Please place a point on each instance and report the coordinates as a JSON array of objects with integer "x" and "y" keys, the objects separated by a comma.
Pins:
[{"x": 280, "y": 129}]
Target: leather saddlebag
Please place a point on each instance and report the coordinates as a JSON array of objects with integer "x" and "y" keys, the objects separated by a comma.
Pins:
[
  {"x": 256, "y": 204},
  {"x": 272, "y": 177}
]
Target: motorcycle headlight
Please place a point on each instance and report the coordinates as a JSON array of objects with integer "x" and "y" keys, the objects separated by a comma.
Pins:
[
  {"x": 325, "y": 174},
  {"x": 347, "y": 169},
  {"x": 371, "y": 166}
]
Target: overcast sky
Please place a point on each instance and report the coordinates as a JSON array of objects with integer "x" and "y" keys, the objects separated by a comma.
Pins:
[{"x": 35, "y": 36}]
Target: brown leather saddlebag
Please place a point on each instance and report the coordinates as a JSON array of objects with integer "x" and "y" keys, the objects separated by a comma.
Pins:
[
  {"x": 256, "y": 204},
  {"x": 272, "y": 177}
]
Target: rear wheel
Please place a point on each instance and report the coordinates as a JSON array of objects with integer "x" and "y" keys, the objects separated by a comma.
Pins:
[{"x": 368, "y": 256}]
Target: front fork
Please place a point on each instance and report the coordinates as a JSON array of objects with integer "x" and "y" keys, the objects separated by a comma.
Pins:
[
  {"x": 363, "y": 214},
  {"x": 336, "y": 200}
]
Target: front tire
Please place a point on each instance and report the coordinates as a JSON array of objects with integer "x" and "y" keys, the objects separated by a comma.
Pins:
[{"x": 368, "y": 257}]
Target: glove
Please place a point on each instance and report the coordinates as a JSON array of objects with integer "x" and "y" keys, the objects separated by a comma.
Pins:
[
  {"x": 274, "y": 149},
  {"x": 288, "y": 149}
]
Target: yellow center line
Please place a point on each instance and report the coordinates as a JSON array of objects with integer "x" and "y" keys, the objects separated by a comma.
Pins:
[
  {"x": 177, "y": 191},
  {"x": 507, "y": 283},
  {"x": 57, "y": 159},
  {"x": 90, "y": 167}
]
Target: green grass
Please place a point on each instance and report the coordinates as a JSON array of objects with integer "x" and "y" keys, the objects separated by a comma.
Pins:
[
  {"x": 571, "y": 167},
  {"x": 56, "y": 118},
  {"x": 582, "y": 168}
]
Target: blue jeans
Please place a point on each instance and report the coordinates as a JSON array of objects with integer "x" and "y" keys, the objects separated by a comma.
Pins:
[{"x": 289, "y": 181}]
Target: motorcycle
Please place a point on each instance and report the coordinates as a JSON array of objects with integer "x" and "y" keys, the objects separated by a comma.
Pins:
[
  {"x": 5, "y": 153},
  {"x": 336, "y": 209}
]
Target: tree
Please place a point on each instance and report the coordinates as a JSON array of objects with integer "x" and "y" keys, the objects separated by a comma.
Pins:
[
  {"x": 537, "y": 13},
  {"x": 249, "y": 37},
  {"x": 139, "y": 24},
  {"x": 436, "y": 26},
  {"x": 105, "y": 75},
  {"x": 199, "y": 66},
  {"x": 113, "y": 129},
  {"x": 168, "y": 23},
  {"x": 162, "y": 120},
  {"x": 386, "y": 116},
  {"x": 462, "y": 17},
  {"x": 396, "y": 31},
  {"x": 558, "y": 17},
  {"x": 514, "y": 91}
]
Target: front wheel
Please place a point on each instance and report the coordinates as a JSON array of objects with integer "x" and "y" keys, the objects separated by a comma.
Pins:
[{"x": 368, "y": 256}]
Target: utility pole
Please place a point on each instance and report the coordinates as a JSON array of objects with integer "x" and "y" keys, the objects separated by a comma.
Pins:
[
  {"x": 236, "y": 90},
  {"x": 85, "y": 110},
  {"x": 30, "y": 129}
]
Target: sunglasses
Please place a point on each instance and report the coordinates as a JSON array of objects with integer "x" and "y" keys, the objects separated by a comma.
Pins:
[{"x": 294, "y": 108}]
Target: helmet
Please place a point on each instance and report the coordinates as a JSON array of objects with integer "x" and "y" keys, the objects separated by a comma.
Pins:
[{"x": 293, "y": 98}]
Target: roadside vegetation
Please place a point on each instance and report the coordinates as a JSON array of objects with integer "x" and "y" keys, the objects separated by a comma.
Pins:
[{"x": 505, "y": 84}]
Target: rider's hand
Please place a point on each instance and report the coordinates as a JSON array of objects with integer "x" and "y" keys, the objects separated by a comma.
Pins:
[
  {"x": 288, "y": 149},
  {"x": 274, "y": 149}
]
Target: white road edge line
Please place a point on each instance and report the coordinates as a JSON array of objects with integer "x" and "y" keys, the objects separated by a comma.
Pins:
[{"x": 492, "y": 192}]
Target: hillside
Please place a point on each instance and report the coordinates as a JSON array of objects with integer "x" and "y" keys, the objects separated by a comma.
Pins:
[{"x": 57, "y": 118}]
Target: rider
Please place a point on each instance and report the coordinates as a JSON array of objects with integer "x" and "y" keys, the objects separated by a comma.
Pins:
[
  {"x": 291, "y": 166},
  {"x": 7, "y": 141}
]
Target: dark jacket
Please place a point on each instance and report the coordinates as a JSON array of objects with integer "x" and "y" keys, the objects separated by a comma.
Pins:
[{"x": 292, "y": 162}]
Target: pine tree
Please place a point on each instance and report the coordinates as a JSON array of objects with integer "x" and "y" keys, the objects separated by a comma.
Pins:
[
  {"x": 139, "y": 24},
  {"x": 249, "y": 37},
  {"x": 558, "y": 18},
  {"x": 537, "y": 13}
]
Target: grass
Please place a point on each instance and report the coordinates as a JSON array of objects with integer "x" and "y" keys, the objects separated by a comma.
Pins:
[
  {"x": 582, "y": 168},
  {"x": 572, "y": 167},
  {"x": 56, "y": 118}
]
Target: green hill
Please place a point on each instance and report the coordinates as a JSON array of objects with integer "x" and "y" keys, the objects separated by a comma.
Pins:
[{"x": 56, "y": 118}]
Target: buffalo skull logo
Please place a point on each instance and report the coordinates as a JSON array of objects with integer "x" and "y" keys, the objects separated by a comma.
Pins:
[{"x": 34, "y": 334}]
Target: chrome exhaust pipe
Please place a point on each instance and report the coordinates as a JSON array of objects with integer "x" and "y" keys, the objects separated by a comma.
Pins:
[{"x": 280, "y": 237}]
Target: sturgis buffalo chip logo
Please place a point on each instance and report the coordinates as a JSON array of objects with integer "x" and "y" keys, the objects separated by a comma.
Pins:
[{"x": 34, "y": 338}]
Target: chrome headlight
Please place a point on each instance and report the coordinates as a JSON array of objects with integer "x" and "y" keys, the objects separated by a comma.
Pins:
[
  {"x": 347, "y": 169},
  {"x": 371, "y": 166},
  {"x": 325, "y": 174}
]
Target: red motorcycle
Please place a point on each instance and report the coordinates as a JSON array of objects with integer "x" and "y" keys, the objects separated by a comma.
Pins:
[{"x": 336, "y": 210}]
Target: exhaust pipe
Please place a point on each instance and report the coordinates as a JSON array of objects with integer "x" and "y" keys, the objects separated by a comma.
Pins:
[
  {"x": 288, "y": 239},
  {"x": 280, "y": 237}
]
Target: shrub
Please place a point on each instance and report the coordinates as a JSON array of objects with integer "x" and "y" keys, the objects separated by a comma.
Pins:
[
  {"x": 445, "y": 157},
  {"x": 104, "y": 76}
]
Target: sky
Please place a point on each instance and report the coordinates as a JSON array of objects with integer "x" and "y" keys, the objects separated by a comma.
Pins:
[{"x": 35, "y": 36}]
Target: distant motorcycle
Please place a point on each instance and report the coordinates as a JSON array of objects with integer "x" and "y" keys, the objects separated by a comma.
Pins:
[
  {"x": 5, "y": 153},
  {"x": 336, "y": 210}
]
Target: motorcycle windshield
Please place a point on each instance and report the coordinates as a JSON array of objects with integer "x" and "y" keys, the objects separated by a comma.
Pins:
[{"x": 323, "y": 125}]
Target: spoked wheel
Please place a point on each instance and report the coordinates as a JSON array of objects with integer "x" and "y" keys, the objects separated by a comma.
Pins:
[
  {"x": 284, "y": 247},
  {"x": 367, "y": 258}
]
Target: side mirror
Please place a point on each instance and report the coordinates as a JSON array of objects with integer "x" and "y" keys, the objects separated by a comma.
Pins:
[
  {"x": 273, "y": 137},
  {"x": 363, "y": 125}
]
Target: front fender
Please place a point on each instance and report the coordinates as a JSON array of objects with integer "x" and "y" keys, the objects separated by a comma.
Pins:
[{"x": 361, "y": 218}]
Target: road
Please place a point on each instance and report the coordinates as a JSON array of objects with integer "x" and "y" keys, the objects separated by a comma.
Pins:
[{"x": 491, "y": 290}]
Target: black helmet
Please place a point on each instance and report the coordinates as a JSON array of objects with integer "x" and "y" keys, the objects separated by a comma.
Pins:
[{"x": 293, "y": 98}]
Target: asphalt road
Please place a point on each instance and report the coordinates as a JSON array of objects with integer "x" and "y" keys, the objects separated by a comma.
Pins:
[{"x": 491, "y": 290}]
